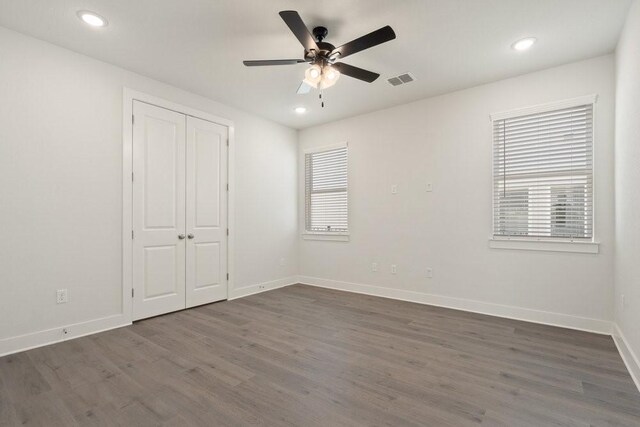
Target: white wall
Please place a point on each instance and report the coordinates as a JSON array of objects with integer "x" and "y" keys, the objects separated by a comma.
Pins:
[
  {"x": 627, "y": 185},
  {"x": 61, "y": 188},
  {"x": 447, "y": 141}
]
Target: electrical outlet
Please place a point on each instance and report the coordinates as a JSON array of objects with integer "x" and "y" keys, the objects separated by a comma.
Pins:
[
  {"x": 394, "y": 189},
  {"x": 374, "y": 266},
  {"x": 61, "y": 296},
  {"x": 429, "y": 273},
  {"x": 429, "y": 187},
  {"x": 393, "y": 269}
]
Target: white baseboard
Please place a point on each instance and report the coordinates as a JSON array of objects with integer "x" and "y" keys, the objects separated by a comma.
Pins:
[
  {"x": 628, "y": 356},
  {"x": 54, "y": 335},
  {"x": 51, "y": 336},
  {"x": 518, "y": 313},
  {"x": 262, "y": 287}
]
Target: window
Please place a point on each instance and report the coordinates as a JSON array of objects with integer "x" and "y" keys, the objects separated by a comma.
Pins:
[
  {"x": 543, "y": 172},
  {"x": 326, "y": 191}
]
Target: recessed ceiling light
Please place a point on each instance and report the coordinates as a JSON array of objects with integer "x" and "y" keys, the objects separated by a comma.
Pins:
[
  {"x": 300, "y": 110},
  {"x": 92, "y": 19},
  {"x": 524, "y": 44}
]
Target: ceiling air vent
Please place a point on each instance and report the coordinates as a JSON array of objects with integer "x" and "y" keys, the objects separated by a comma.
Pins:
[{"x": 401, "y": 79}]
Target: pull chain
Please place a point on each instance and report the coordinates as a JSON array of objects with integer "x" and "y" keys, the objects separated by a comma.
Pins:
[{"x": 321, "y": 100}]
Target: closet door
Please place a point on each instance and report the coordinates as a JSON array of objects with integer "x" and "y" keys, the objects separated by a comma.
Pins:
[
  {"x": 158, "y": 210},
  {"x": 206, "y": 222}
]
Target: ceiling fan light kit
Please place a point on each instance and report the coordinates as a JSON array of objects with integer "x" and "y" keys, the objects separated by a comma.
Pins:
[
  {"x": 313, "y": 75},
  {"x": 321, "y": 77},
  {"x": 325, "y": 71}
]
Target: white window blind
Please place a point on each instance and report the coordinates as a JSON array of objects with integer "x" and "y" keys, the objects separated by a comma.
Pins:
[
  {"x": 326, "y": 191},
  {"x": 543, "y": 174}
]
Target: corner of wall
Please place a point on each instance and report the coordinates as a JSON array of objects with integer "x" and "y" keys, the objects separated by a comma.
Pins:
[
  {"x": 629, "y": 358},
  {"x": 627, "y": 199},
  {"x": 245, "y": 291}
]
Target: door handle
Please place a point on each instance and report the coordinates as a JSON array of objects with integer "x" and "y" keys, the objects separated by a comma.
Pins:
[
  {"x": 181, "y": 236},
  {"x": 191, "y": 236}
]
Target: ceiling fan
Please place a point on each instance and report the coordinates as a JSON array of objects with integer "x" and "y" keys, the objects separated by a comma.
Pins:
[{"x": 323, "y": 56}]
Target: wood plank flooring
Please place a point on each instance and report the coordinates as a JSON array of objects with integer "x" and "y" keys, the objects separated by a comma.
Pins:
[{"x": 304, "y": 356}]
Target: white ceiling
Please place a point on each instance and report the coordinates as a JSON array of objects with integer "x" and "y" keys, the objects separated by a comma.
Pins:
[{"x": 199, "y": 45}]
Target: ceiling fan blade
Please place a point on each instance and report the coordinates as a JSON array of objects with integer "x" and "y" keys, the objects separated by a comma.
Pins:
[
  {"x": 355, "y": 72},
  {"x": 303, "y": 88},
  {"x": 374, "y": 38},
  {"x": 299, "y": 29},
  {"x": 258, "y": 63}
]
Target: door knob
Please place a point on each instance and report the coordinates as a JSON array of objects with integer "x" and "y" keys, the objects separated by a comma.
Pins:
[
  {"x": 180, "y": 236},
  {"x": 191, "y": 236}
]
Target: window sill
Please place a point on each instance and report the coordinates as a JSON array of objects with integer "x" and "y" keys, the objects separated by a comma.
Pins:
[
  {"x": 335, "y": 237},
  {"x": 545, "y": 245}
]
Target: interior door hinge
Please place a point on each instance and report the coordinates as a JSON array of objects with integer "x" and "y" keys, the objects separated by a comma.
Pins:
[
  {"x": 227, "y": 231},
  {"x": 133, "y": 120},
  {"x": 132, "y": 292},
  {"x": 227, "y": 142},
  {"x": 227, "y": 186},
  {"x": 227, "y": 276},
  {"x": 131, "y": 176},
  {"x": 132, "y": 234}
]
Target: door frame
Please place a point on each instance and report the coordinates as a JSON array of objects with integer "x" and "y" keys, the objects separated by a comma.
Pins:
[{"x": 128, "y": 96}]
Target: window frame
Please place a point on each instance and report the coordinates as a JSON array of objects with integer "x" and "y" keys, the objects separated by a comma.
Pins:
[
  {"x": 556, "y": 244},
  {"x": 339, "y": 236}
]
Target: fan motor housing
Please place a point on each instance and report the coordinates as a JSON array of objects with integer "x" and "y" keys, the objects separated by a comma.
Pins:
[{"x": 320, "y": 33}]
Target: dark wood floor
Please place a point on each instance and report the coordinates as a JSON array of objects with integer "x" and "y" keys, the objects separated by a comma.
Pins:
[{"x": 304, "y": 356}]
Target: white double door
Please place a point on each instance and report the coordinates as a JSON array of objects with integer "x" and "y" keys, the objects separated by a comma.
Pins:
[{"x": 179, "y": 211}]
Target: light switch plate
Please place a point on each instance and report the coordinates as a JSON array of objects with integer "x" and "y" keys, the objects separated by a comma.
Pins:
[
  {"x": 394, "y": 189},
  {"x": 429, "y": 187}
]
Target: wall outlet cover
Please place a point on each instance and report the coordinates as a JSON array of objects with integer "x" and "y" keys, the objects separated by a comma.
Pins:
[{"x": 61, "y": 296}]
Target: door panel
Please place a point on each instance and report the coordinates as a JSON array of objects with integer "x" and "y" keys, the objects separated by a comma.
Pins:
[
  {"x": 158, "y": 210},
  {"x": 160, "y": 186},
  {"x": 207, "y": 148},
  {"x": 206, "y": 212},
  {"x": 160, "y": 271},
  {"x": 207, "y": 272}
]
